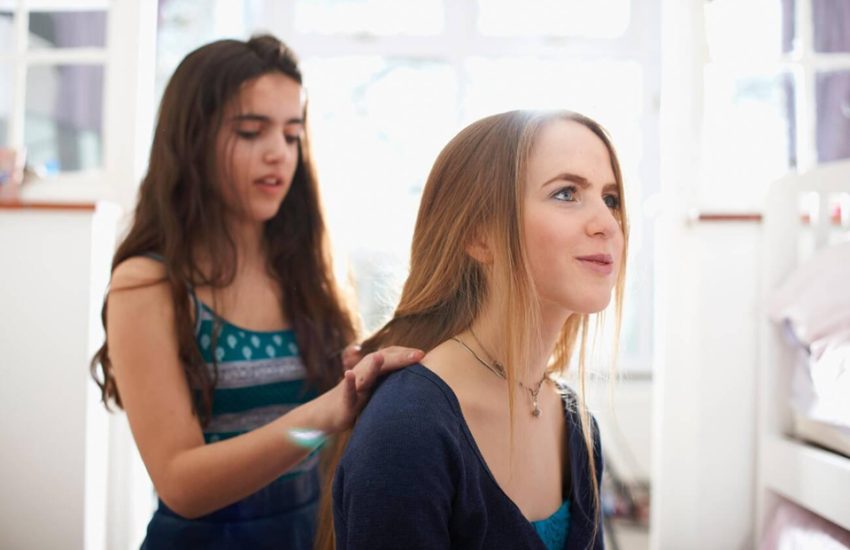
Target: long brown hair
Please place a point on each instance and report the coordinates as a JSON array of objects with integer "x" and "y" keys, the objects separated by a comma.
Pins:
[
  {"x": 181, "y": 211},
  {"x": 476, "y": 187}
]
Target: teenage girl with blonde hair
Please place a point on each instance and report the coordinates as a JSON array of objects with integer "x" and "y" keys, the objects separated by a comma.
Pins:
[
  {"x": 521, "y": 237},
  {"x": 224, "y": 326}
]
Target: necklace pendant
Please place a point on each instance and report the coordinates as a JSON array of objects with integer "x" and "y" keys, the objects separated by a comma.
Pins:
[{"x": 536, "y": 412}]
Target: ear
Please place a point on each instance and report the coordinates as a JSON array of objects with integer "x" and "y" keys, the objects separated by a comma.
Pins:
[{"x": 479, "y": 250}]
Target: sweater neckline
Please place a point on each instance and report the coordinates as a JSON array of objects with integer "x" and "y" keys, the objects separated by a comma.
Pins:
[{"x": 454, "y": 402}]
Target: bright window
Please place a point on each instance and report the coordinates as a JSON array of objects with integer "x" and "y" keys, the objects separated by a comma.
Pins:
[
  {"x": 389, "y": 83},
  {"x": 54, "y": 93},
  {"x": 566, "y": 18}
]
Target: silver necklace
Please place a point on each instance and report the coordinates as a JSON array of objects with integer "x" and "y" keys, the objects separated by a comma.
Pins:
[{"x": 497, "y": 369}]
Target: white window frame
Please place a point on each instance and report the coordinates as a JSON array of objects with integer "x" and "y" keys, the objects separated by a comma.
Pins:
[
  {"x": 127, "y": 59},
  {"x": 804, "y": 63}
]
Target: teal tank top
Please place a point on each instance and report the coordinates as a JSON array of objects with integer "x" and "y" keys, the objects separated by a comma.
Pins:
[
  {"x": 553, "y": 530},
  {"x": 260, "y": 376}
]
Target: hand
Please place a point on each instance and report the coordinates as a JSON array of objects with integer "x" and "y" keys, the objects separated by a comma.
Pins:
[
  {"x": 351, "y": 356},
  {"x": 345, "y": 400}
]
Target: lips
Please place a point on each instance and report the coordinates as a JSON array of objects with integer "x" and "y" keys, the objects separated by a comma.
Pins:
[
  {"x": 597, "y": 258},
  {"x": 600, "y": 263},
  {"x": 269, "y": 181}
]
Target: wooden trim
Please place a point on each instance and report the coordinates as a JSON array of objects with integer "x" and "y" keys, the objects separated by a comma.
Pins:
[
  {"x": 52, "y": 206},
  {"x": 753, "y": 217}
]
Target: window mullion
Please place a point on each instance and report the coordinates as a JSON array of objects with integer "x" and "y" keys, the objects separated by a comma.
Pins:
[
  {"x": 19, "y": 78},
  {"x": 66, "y": 56},
  {"x": 805, "y": 104}
]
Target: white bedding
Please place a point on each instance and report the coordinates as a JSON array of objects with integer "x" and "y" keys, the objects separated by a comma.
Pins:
[{"x": 814, "y": 305}]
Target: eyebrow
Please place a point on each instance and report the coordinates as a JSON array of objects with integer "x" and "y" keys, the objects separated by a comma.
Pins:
[
  {"x": 251, "y": 117},
  {"x": 581, "y": 181}
]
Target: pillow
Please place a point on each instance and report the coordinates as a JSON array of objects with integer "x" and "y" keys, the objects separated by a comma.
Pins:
[{"x": 815, "y": 298}]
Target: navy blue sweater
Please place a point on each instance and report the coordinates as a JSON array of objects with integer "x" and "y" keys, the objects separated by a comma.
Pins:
[{"x": 412, "y": 477}]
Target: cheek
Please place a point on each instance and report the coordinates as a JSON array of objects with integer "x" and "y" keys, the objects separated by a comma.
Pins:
[
  {"x": 293, "y": 165},
  {"x": 547, "y": 244},
  {"x": 619, "y": 245}
]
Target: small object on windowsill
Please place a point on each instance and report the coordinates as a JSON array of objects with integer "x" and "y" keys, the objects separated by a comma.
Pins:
[{"x": 11, "y": 173}]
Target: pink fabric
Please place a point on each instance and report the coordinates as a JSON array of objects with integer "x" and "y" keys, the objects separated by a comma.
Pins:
[
  {"x": 815, "y": 301},
  {"x": 816, "y": 297},
  {"x": 794, "y": 528}
]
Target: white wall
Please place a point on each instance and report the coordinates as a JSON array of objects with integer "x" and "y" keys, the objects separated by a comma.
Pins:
[
  {"x": 704, "y": 430},
  {"x": 706, "y": 334},
  {"x": 55, "y": 265}
]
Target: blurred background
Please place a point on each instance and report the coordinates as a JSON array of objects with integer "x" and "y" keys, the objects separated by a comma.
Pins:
[{"x": 707, "y": 102}]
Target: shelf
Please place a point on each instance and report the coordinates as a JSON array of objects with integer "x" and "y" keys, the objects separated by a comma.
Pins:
[{"x": 813, "y": 478}]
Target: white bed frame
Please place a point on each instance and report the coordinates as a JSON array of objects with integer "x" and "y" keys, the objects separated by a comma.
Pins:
[{"x": 811, "y": 477}]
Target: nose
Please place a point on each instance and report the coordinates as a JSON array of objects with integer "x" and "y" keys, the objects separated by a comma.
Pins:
[
  {"x": 277, "y": 149},
  {"x": 602, "y": 221}
]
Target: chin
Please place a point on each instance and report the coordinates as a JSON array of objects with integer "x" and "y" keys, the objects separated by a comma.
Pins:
[
  {"x": 590, "y": 304},
  {"x": 264, "y": 215}
]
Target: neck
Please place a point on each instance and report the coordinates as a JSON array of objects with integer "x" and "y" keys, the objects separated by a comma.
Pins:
[
  {"x": 250, "y": 244},
  {"x": 490, "y": 333}
]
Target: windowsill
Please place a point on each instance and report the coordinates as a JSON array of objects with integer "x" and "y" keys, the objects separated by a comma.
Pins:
[
  {"x": 75, "y": 191},
  {"x": 18, "y": 204}
]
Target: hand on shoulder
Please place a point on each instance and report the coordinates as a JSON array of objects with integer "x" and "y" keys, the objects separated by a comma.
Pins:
[{"x": 341, "y": 405}]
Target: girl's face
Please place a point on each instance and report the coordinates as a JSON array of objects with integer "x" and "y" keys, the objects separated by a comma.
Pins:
[
  {"x": 257, "y": 145},
  {"x": 574, "y": 240}
]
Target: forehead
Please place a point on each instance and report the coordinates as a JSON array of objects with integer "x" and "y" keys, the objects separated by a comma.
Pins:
[
  {"x": 274, "y": 95},
  {"x": 569, "y": 146}
]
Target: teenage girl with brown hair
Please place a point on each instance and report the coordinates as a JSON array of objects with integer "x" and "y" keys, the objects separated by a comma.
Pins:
[{"x": 224, "y": 326}]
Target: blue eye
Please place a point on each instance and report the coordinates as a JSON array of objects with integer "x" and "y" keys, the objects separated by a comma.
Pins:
[
  {"x": 612, "y": 201},
  {"x": 566, "y": 194}
]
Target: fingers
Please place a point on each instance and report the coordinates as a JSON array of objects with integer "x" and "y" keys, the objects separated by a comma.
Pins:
[
  {"x": 351, "y": 356},
  {"x": 349, "y": 390},
  {"x": 368, "y": 374},
  {"x": 373, "y": 365},
  {"x": 396, "y": 357}
]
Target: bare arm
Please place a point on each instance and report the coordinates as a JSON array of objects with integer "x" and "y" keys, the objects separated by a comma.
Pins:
[{"x": 192, "y": 478}]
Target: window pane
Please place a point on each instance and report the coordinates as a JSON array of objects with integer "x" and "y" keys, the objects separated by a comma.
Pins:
[
  {"x": 5, "y": 102},
  {"x": 749, "y": 137},
  {"x": 833, "y": 115},
  {"x": 789, "y": 25},
  {"x": 67, "y": 29},
  {"x": 501, "y": 84},
  {"x": 63, "y": 130},
  {"x": 7, "y": 31},
  {"x": 596, "y": 19},
  {"x": 184, "y": 25},
  {"x": 375, "y": 141},
  {"x": 831, "y": 21},
  {"x": 376, "y": 17},
  {"x": 753, "y": 26}
]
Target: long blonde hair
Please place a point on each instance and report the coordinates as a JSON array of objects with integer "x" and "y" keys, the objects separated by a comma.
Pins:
[{"x": 476, "y": 187}]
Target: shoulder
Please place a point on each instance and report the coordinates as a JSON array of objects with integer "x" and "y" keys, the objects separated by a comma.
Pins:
[
  {"x": 138, "y": 292},
  {"x": 411, "y": 409},
  {"x": 137, "y": 272},
  {"x": 415, "y": 388},
  {"x": 413, "y": 398},
  {"x": 406, "y": 441},
  {"x": 404, "y": 445}
]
